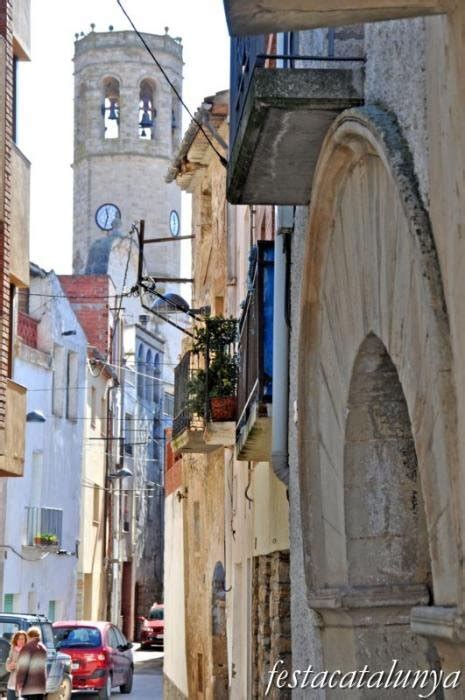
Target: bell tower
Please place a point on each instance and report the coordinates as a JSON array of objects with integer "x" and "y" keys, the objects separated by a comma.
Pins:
[{"x": 127, "y": 128}]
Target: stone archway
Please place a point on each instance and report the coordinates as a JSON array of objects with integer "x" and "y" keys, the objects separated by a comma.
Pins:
[{"x": 372, "y": 272}]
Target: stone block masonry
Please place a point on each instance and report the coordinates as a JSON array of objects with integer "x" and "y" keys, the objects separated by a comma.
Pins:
[{"x": 271, "y": 621}]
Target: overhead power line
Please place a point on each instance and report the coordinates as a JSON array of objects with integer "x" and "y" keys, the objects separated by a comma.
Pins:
[{"x": 223, "y": 160}]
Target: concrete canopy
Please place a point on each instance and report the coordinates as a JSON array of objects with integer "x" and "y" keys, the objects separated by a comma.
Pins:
[{"x": 253, "y": 17}]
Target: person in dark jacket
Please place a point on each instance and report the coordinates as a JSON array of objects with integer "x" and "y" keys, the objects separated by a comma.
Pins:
[{"x": 31, "y": 667}]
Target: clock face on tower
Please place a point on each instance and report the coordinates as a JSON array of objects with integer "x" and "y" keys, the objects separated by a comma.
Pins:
[
  {"x": 105, "y": 216},
  {"x": 174, "y": 223}
]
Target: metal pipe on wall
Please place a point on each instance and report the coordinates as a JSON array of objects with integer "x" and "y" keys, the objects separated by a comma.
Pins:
[{"x": 280, "y": 416}]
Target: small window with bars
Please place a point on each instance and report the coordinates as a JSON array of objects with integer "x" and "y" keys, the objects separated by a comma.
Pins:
[{"x": 168, "y": 404}]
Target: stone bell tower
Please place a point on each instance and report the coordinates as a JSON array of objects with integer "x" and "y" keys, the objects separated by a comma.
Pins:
[{"x": 127, "y": 127}]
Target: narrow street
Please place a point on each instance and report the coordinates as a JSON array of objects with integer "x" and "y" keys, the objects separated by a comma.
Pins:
[{"x": 148, "y": 680}]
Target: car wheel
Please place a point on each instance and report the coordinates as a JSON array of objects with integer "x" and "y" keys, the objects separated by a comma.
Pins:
[
  {"x": 63, "y": 692},
  {"x": 127, "y": 687},
  {"x": 105, "y": 692}
]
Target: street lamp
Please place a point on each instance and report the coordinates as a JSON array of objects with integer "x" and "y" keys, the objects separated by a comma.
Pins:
[
  {"x": 35, "y": 417},
  {"x": 121, "y": 473}
]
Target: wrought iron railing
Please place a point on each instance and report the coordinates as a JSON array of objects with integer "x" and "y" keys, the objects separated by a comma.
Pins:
[
  {"x": 182, "y": 375},
  {"x": 256, "y": 334},
  {"x": 250, "y": 52}
]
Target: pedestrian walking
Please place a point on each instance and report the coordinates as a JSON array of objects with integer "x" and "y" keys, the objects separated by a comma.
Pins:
[
  {"x": 31, "y": 674},
  {"x": 18, "y": 641}
]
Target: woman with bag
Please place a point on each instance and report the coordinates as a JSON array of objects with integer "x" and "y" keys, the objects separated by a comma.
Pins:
[
  {"x": 31, "y": 675},
  {"x": 18, "y": 641}
]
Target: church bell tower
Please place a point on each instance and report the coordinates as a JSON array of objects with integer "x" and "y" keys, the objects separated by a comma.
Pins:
[{"x": 127, "y": 128}]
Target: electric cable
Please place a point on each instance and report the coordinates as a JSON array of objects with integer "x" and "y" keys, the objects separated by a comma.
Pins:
[{"x": 222, "y": 159}]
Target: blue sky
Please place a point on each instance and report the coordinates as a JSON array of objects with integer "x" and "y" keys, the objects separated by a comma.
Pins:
[{"x": 45, "y": 132}]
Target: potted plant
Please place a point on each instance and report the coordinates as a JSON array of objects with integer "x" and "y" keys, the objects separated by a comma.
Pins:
[{"x": 213, "y": 389}]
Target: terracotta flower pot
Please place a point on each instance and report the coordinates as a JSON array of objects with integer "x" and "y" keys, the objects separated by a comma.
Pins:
[{"x": 223, "y": 408}]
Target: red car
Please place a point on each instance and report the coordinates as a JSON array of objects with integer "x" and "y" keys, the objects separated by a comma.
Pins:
[
  {"x": 101, "y": 656},
  {"x": 152, "y": 632}
]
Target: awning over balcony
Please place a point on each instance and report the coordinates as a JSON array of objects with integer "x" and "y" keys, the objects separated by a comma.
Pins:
[{"x": 258, "y": 17}]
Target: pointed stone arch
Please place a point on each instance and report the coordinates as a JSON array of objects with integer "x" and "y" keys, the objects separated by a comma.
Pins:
[{"x": 372, "y": 272}]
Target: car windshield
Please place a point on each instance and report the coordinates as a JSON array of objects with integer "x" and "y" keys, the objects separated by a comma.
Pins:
[
  {"x": 77, "y": 637},
  {"x": 156, "y": 614}
]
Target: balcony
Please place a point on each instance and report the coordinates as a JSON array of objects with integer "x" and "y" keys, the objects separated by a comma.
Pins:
[
  {"x": 255, "y": 391},
  {"x": 12, "y": 435},
  {"x": 192, "y": 432},
  {"x": 27, "y": 329},
  {"x": 19, "y": 260},
  {"x": 253, "y": 17},
  {"x": 279, "y": 117}
]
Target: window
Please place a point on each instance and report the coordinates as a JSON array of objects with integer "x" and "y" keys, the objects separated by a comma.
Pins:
[
  {"x": 157, "y": 382},
  {"x": 43, "y": 521},
  {"x": 93, "y": 407},
  {"x": 103, "y": 417},
  {"x": 156, "y": 614},
  {"x": 112, "y": 638},
  {"x": 59, "y": 380},
  {"x": 128, "y": 434},
  {"x": 168, "y": 404},
  {"x": 125, "y": 520},
  {"x": 148, "y": 382},
  {"x": 96, "y": 504},
  {"x": 52, "y": 610},
  {"x": 147, "y": 111},
  {"x": 72, "y": 385},
  {"x": 111, "y": 108},
  {"x": 77, "y": 637},
  {"x": 8, "y": 602},
  {"x": 140, "y": 371}
]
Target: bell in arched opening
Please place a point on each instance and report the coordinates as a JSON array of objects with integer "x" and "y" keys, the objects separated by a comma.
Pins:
[{"x": 147, "y": 111}]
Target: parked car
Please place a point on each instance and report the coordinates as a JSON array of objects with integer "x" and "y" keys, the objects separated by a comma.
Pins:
[
  {"x": 101, "y": 655},
  {"x": 59, "y": 676},
  {"x": 152, "y": 632}
]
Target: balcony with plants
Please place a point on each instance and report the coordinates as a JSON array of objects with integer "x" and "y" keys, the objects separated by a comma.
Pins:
[{"x": 205, "y": 402}]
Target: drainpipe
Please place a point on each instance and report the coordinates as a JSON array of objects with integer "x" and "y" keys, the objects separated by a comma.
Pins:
[{"x": 280, "y": 414}]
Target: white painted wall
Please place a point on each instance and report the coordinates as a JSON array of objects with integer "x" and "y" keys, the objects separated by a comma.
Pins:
[
  {"x": 174, "y": 666},
  {"x": 52, "y": 474}
]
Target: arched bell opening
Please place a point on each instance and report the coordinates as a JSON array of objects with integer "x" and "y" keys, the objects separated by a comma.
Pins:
[
  {"x": 147, "y": 111},
  {"x": 111, "y": 108}
]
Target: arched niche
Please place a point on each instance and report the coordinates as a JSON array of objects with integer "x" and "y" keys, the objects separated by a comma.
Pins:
[
  {"x": 370, "y": 272},
  {"x": 147, "y": 110},
  {"x": 111, "y": 107}
]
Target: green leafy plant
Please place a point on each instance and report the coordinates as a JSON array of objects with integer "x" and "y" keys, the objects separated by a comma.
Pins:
[
  {"x": 46, "y": 539},
  {"x": 214, "y": 340}
]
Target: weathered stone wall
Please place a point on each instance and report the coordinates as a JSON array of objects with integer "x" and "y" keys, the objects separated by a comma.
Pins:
[
  {"x": 396, "y": 79},
  {"x": 271, "y": 621}
]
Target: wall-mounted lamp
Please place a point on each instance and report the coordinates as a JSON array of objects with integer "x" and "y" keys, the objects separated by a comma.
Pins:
[
  {"x": 35, "y": 417},
  {"x": 121, "y": 473}
]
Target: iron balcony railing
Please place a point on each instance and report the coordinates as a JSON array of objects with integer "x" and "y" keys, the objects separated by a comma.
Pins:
[
  {"x": 182, "y": 375},
  {"x": 42, "y": 523},
  {"x": 250, "y": 52},
  {"x": 256, "y": 334}
]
